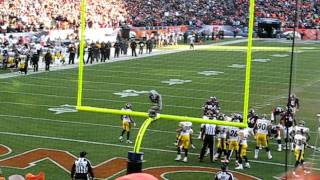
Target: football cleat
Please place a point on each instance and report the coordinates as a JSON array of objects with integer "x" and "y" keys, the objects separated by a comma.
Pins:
[
  {"x": 128, "y": 141},
  {"x": 121, "y": 139},
  {"x": 247, "y": 165},
  {"x": 240, "y": 167},
  {"x": 178, "y": 158},
  {"x": 185, "y": 159},
  {"x": 192, "y": 146},
  {"x": 256, "y": 152},
  {"x": 269, "y": 155}
]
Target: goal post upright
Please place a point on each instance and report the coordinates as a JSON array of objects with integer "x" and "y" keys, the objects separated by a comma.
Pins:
[
  {"x": 80, "y": 106},
  {"x": 136, "y": 156},
  {"x": 248, "y": 62},
  {"x": 83, "y": 14}
]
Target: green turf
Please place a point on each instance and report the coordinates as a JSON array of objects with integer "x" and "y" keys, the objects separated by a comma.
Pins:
[{"x": 24, "y": 103}]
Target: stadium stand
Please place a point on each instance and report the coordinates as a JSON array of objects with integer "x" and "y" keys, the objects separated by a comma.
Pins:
[{"x": 29, "y": 15}]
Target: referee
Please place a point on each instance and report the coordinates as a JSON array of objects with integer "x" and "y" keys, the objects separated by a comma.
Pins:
[
  {"x": 208, "y": 133},
  {"x": 224, "y": 174},
  {"x": 81, "y": 169}
]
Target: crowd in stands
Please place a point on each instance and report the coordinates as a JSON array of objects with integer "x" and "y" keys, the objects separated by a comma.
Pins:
[{"x": 32, "y": 15}]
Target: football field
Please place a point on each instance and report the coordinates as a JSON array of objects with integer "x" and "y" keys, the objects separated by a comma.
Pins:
[{"x": 37, "y": 111}]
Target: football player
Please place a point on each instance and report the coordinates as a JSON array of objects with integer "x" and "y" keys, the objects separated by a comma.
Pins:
[
  {"x": 252, "y": 120},
  {"x": 233, "y": 140},
  {"x": 288, "y": 121},
  {"x": 244, "y": 134},
  {"x": 212, "y": 104},
  {"x": 127, "y": 122},
  {"x": 263, "y": 126},
  {"x": 184, "y": 141},
  {"x": 278, "y": 111},
  {"x": 300, "y": 141},
  {"x": 276, "y": 131},
  {"x": 301, "y": 129},
  {"x": 293, "y": 103},
  {"x": 221, "y": 142}
]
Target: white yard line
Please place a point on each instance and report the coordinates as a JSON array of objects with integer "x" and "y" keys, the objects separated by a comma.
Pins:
[{"x": 122, "y": 146}]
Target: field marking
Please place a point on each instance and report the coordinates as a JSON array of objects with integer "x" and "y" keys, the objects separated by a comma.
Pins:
[
  {"x": 166, "y": 75},
  {"x": 149, "y": 86},
  {"x": 112, "y": 91},
  {"x": 80, "y": 123},
  {"x": 123, "y": 146},
  {"x": 113, "y": 126}
]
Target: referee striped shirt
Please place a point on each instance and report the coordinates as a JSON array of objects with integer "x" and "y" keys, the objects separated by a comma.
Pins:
[
  {"x": 223, "y": 175},
  {"x": 210, "y": 129}
]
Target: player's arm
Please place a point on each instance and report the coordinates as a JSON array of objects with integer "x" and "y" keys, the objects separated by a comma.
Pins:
[{"x": 297, "y": 103}]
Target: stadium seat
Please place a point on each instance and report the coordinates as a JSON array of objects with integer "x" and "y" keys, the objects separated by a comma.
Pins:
[
  {"x": 16, "y": 177},
  {"x": 40, "y": 176},
  {"x": 137, "y": 176}
]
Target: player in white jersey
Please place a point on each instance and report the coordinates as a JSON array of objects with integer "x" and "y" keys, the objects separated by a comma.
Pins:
[
  {"x": 184, "y": 140},
  {"x": 244, "y": 134},
  {"x": 127, "y": 122},
  {"x": 301, "y": 129},
  {"x": 222, "y": 143},
  {"x": 233, "y": 141},
  {"x": 300, "y": 143},
  {"x": 263, "y": 126}
]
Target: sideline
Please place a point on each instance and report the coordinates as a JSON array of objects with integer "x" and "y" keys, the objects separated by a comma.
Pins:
[{"x": 156, "y": 52}]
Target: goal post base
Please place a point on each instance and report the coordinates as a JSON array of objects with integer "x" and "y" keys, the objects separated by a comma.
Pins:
[{"x": 135, "y": 161}]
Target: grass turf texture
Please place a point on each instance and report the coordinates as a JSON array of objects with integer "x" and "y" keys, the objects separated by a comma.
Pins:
[{"x": 25, "y": 102}]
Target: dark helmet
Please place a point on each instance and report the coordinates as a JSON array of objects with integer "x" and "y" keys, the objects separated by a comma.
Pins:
[
  {"x": 83, "y": 154},
  {"x": 224, "y": 167}
]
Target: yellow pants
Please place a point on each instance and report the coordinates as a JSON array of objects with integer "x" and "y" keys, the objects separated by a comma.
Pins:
[
  {"x": 234, "y": 145},
  {"x": 243, "y": 150},
  {"x": 126, "y": 126},
  {"x": 298, "y": 153},
  {"x": 262, "y": 140},
  {"x": 184, "y": 141}
]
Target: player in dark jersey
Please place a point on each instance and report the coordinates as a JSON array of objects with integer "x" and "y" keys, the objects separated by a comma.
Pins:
[
  {"x": 81, "y": 169},
  {"x": 252, "y": 120},
  {"x": 293, "y": 103},
  {"x": 277, "y": 111},
  {"x": 212, "y": 104},
  {"x": 288, "y": 121}
]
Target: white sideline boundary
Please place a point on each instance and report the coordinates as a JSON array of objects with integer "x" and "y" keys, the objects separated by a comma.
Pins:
[
  {"x": 123, "y": 146},
  {"x": 155, "y": 52}
]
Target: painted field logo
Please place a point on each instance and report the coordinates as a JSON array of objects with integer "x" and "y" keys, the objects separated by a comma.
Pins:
[
  {"x": 210, "y": 73},
  {"x": 130, "y": 93},
  {"x": 63, "y": 109},
  {"x": 176, "y": 81},
  {"x": 239, "y": 66},
  {"x": 106, "y": 169}
]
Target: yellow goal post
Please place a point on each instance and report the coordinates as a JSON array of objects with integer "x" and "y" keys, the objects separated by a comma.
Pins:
[{"x": 168, "y": 117}]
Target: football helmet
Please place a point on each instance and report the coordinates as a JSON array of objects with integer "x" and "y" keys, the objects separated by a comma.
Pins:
[
  {"x": 301, "y": 123},
  {"x": 128, "y": 106}
]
